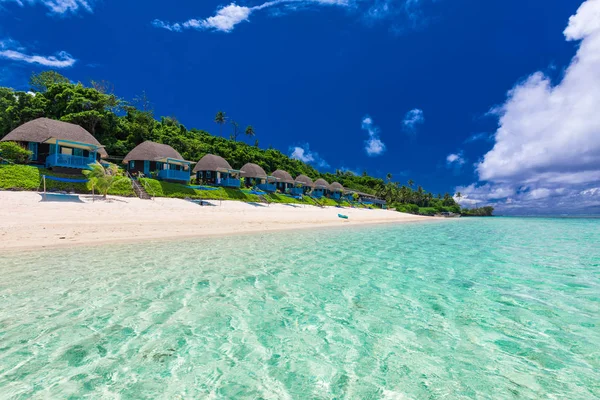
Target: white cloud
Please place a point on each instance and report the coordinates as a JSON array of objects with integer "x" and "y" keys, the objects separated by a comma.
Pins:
[
  {"x": 373, "y": 145},
  {"x": 304, "y": 154},
  {"x": 412, "y": 119},
  {"x": 10, "y": 50},
  {"x": 57, "y": 6},
  {"x": 227, "y": 17},
  {"x": 547, "y": 146},
  {"x": 170, "y": 27},
  {"x": 455, "y": 159},
  {"x": 482, "y": 136}
]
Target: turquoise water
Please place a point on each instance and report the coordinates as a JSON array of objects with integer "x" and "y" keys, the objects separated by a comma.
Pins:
[{"x": 500, "y": 308}]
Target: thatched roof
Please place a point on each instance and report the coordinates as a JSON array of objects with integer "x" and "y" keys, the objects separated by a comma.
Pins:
[
  {"x": 253, "y": 171},
  {"x": 210, "y": 162},
  {"x": 361, "y": 194},
  {"x": 336, "y": 187},
  {"x": 41, "y": 129},
  {"x": 321, "y": 184},
  {"x": 283, "y": 176},
  {"x": 304, "y": 180},
  {"x": 151, "y": 151}
]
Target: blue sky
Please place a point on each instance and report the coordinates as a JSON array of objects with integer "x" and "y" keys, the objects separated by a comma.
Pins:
[{"x": 423, "y": 89}]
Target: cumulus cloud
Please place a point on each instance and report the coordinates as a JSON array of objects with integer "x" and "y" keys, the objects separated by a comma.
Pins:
[
  {"x": 304, "y": 154},
  {"x": 547, "y": 146},
  {"x": 227, "y": 17},
  {"x": 412, "y": 119},
  {"x": 373, "y": 145},
  {"x": 10, "y": 50},
  {"x": 57, "y": 6}
]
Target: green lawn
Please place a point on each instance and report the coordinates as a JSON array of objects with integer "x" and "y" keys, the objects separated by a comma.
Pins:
[{"x": 26, "y": 177}]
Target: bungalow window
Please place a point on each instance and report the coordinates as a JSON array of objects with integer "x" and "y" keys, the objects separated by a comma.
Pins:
[
  {"x": 131, "y": 164},
  {"x": 66, "y": 150},
  {"x": 78, "y": 152}
]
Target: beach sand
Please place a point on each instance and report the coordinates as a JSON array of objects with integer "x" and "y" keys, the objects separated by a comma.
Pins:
[{"x": 27, "y": 222}]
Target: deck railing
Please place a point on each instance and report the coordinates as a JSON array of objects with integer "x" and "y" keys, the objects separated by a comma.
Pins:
[
  {"x": 267, "y": 187},
  {"x": 174, "y": 175},
  {"x": 228, "y": 182},
  {"x": 69, "y": 161}
]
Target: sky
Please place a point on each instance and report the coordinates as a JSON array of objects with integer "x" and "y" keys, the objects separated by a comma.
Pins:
[{"x": 498, "y": 99}]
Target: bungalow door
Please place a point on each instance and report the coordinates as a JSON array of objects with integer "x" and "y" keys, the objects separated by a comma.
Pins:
[
  {"x": 146, "y": 167},
  {"x": 33, "y": 148}
]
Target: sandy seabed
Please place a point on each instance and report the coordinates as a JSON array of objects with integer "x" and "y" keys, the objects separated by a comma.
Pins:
[{"x": 28, "y": 222}]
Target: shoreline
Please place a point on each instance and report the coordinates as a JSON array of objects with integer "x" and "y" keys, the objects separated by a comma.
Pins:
[{"x": 29, "y": 224}]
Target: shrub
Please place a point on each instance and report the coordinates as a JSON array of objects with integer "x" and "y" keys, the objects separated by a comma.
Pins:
[
  {"x": 407, "y": 208},
  {"x": 102, "y": 179},
  {"x": 12, "y": 152},
  {"x": 430, "y": 211}
]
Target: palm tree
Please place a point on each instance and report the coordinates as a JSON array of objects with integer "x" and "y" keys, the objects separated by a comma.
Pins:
[
  {"x": 235, "y": 132},
  {"x": 458, "y": 195},
  {"x": 249, "y": 131},
  {"x": 220, "y": 119},
  {"x": 389, "y": 177},
  {"x": 102, "y": 178},
  {"x": 411, "y": 183}
]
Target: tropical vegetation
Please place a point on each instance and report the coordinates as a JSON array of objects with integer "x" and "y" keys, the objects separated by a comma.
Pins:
[
  {"x": 102, "y": 179},
  {"x": 120, "y": 125}
]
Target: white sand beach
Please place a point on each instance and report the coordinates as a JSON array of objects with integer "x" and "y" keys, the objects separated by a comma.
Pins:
[{"x": 26, "y": 222}]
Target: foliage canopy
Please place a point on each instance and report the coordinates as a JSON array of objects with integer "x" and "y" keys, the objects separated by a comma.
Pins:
[{"x": 120, "y": 126}]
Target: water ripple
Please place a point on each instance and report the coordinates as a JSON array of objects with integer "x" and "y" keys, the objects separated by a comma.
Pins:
[{"x": 499, "y": 308}]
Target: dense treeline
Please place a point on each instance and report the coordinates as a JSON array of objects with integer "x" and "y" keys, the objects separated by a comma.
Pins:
[
  {"x": 487, "y": 211},
  {"x": 121, "y": 125}
]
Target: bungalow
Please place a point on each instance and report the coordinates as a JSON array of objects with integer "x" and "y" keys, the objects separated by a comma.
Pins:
[
  {"x": 336, "y": 190},
  {"x": 285, "y": 182},
  {"x": 302, "y": 185},
  {"x": 158, "y": 160},
  {"x": 364, "y": 198},
  {"x": 320, "y": 188},
  {"x": 254, "y": 175},
  {"x": 58, "y": 145},
  {"x": 216, "y": 171}
]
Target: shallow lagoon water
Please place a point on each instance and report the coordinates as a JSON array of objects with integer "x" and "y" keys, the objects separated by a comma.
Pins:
[{"x": 501, "y": 308}]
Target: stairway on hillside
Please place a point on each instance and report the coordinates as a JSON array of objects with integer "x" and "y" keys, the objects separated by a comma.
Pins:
[
  {"x": 317, "y": 203},
  {"x": 139, "y": 190},
  {"x": 263, "y": 199}
]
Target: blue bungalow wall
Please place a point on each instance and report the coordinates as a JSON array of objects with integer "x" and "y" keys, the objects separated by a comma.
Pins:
[
  {"x": 224, "y": 179},
  {"x": 318, "y": 193},
  {"x": 336, "y": 195},
  {"x": 163, "y": 171},
  {"x": 260, "y": 183},
  {"x": 285, "y": 187},
  {"x": 63, "y": 156}
]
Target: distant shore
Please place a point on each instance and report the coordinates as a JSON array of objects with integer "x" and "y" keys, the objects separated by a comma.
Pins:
[{"x": 27, "y": 223}]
